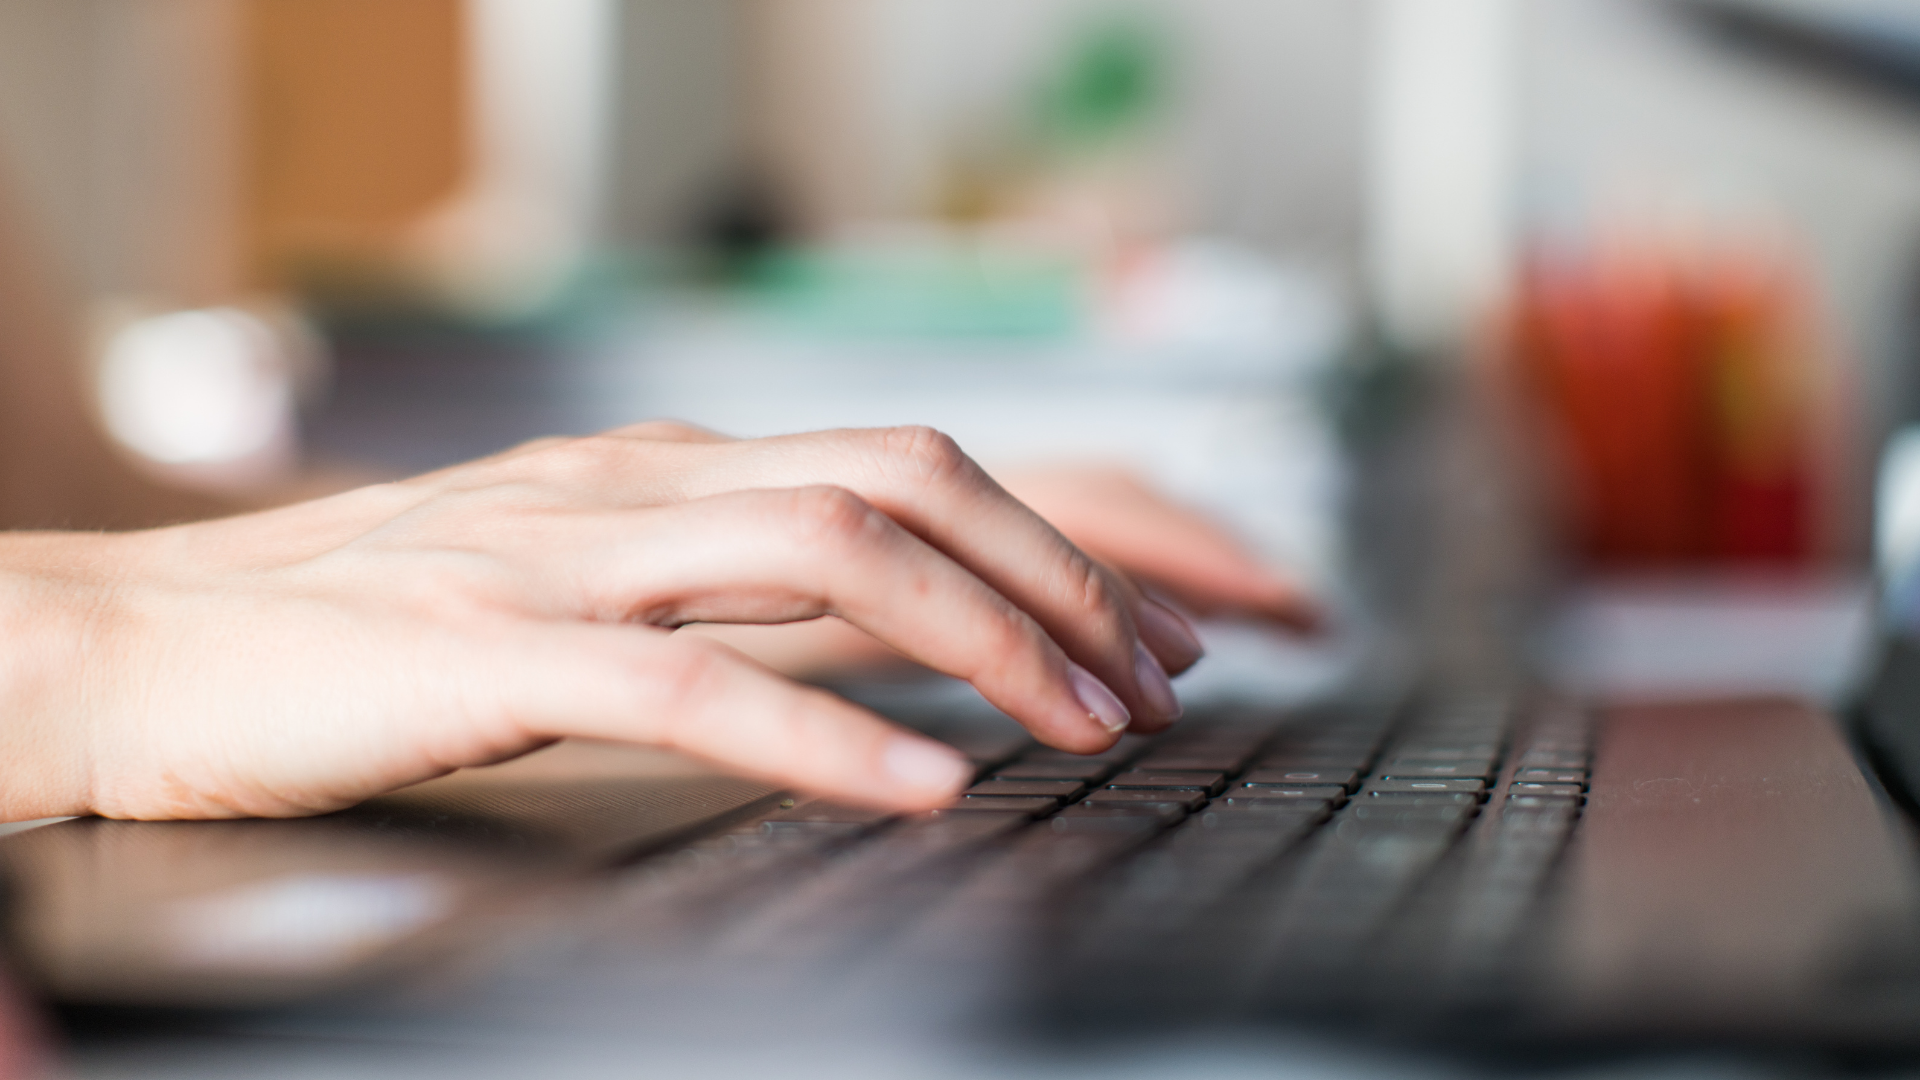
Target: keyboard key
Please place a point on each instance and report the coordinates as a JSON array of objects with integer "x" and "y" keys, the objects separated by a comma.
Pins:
[
  {"x": 1086, "y": 771},
  {"x": 1572, "y": 790},
  {"x": 820, "y": 811},
  {"x": 1254, "y": 804},
  {"x": 1146, "y": 817},
  {"x": 1545, "y": 816},
  {"x": 1405, "y": 812},
  {"x": 1546, "y": 801},
  {"x": 1196, "y": 761},
  {"x": 1343, "y": 778},
  {"x": 940, "y": 827},
  {"x": 1553, "y": 759},
  {"x": 1186, "y": 800},
  {"x": 1209, "y": 782},
  {"x": 1334, "y": 792},
  {"x": 1552, "y": 776},
  {"x": 1030, "y": 805},
  {"x": 1056, "y": 789},
  {"x": 1442, "y": 798},
  {"x": 1285, "y": 798},
  {"x": 1438, "y": 770},
  {"x": 1426, "y": 787},
  {"x": 814, "y": 828},
  {"x": 1312, "y": 761},
  {"x": 1426, "y": 751}
]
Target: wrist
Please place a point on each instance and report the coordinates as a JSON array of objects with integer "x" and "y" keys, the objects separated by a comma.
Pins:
[{"x": 58, "y": 655}]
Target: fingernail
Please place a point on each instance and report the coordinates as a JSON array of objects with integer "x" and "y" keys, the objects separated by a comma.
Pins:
[
  {"x": 920, "y": 764},
  {"x": 1154, "y": 685},
  {"x": 1167, "y": 623},
  {"x": 1101, "y": 705}
]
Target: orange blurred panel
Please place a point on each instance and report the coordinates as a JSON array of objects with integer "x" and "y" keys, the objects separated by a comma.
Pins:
[{"x": 360, "y": 123}]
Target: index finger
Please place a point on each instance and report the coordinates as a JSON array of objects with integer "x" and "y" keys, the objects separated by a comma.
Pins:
[{"x": 923, "y": 480}]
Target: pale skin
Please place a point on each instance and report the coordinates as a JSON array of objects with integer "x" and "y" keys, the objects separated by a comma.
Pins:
[{"x": 300, "y": 659}]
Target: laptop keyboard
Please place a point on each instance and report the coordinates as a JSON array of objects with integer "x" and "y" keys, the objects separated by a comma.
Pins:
[{"x": 1245, "y": 861}]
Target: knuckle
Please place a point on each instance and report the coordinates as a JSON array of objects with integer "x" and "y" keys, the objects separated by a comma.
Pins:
[
  {"x": 1098, "y": 594},
  {"x": 452, "y": 588},
  {"x": 578, "y": 458},
  {"x": 925, "y": 454},
  {"x": 831, "y": 516},
  {"x": 533, "y": 446},
  {"x": 687, "y": 673},
  {"x": 667, "y": 431},
  {"x": 1011, "y": 637}
]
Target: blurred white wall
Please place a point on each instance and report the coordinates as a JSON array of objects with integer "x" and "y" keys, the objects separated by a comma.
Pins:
[{"x": 1441, "y": 127}]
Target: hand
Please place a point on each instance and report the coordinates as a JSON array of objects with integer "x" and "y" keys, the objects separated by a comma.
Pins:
[
  {"x": 301, "y": 659},
  {"x": 1111, "y": 514}
]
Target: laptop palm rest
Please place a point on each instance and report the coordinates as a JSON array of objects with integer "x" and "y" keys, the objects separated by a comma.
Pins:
[{"x": 1735, "y": 872}]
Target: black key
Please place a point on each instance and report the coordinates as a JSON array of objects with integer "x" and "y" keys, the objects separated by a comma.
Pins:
[
  {"x": 822, "y": 812},
  {"x": 1546, "y": 801},
  {"x": 1437, "y": 751},
  {"x": 1438, "y": 770},
  {"x": 1342, "y": 778},
  {"x": 1446, "y": 798},
  {"x": 1030, "y": 805},
  {"x": 1572, "y": 790},
  {"x": 814, "y": 828},
  {"x": 1289, "y": 791},
  {"x": 1056, "y": 789},
  {"x": 1552, "y": 776},
  {"x": 1209, "y": 782},
  {"x": 1186, "y": 800},
  {"x": 1054, "y": 770},
  {"x": 1553, "y": 759},
  {"x": 1282, "y": 817},
  {"x": 1310, "y": 761},
  {"x": 1546, "y": 815},
  {"x": 1426, "y": 787},
  {"x": 1335, "y": 743},
  {"x": 1407, "y": 812},
  {"x": 939, "y": 827},
  {"x": 1195, "y": 761},
  {"x": 1146, "y": 817},
  {"x": 1284, "y": 799}
]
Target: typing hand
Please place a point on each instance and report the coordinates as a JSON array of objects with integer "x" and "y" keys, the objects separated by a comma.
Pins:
[
  {"x": 1111, "y": 514},
  {"x": 1114, "y": 516},
  {"x": 301, "y": 659}
]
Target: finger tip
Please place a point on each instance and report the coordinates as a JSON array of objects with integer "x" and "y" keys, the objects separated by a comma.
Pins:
[
  {"x": 1182, "y": 666},
  {"x": 923, "y": 771},
  {"x": 1155, "y": 726},
  {"x": 1083, "y": 742}
]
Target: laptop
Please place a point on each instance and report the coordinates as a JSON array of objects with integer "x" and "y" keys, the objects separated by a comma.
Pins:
[{"x": 1438, "y": 855}]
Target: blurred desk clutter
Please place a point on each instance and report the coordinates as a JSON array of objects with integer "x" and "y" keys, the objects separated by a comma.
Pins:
[{"x": 1686, "y": 399}]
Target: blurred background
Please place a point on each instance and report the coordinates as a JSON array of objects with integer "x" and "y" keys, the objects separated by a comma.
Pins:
[{"x": 1667, "y": 250}]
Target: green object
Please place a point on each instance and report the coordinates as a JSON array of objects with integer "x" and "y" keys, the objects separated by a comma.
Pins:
[
  {"x": 934, "y": 293},
  {"x": 1111, "y": 83}
]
